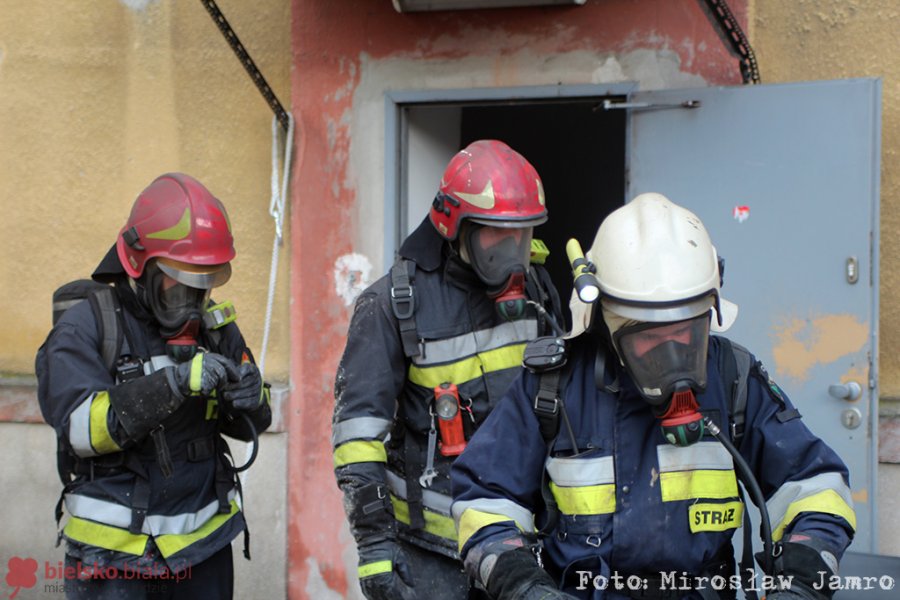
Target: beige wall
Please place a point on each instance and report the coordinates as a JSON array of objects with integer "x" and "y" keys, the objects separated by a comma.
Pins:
[{"x": 96, "y": 99}]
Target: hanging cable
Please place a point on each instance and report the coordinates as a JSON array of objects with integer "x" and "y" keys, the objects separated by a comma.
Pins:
[
  {"x": 730, "y": 31},
  {"x": 231, "y": 37}
]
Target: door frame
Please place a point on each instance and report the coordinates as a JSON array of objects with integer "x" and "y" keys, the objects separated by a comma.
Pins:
[{"x": 395, "y": 128}]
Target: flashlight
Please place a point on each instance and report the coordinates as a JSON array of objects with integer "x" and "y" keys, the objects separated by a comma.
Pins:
[
  {"x": 446, "y": 405},
  {"x": 586, "y": 285}
]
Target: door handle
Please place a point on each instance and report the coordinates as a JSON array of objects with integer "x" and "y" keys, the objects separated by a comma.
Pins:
[{"x": 845, "y": 391}]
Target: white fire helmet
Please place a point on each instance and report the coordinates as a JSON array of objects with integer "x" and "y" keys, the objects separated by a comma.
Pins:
[{"x": 655, "y": 263}]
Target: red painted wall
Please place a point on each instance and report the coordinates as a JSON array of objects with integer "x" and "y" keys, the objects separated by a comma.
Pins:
[{"x": 327, "y": 39}]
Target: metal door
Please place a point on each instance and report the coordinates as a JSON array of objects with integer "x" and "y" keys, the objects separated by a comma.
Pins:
[{"x": 785, "y": 177}]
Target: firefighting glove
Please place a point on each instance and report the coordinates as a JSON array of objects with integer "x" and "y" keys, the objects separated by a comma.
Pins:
[
  {"x": 206, "y": 372},
  {"x": 247, "y": 393},
  {"x": 803, "y": 563},
  {"x": 384, "y": 572},
  {"x": 517, "y": 576}
]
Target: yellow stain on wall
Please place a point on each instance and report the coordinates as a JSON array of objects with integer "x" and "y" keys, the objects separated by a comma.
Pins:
[{"x": 803, "y": 343}]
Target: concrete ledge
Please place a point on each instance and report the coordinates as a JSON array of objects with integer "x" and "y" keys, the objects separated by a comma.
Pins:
[{"x": 19, "y": 403}]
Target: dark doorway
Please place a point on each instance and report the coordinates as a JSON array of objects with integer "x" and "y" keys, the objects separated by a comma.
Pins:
[{"x": 578, "y": 150}]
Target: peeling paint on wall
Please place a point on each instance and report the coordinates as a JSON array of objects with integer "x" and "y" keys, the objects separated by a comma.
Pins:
[
  {"x": 316, "y": 587},
  {"x": 351, "y": 276},
  {"x": 800, "y": 344}
]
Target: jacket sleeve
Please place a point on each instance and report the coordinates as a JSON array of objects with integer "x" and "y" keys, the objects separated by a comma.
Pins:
[
  {"x": 496, "y": 481},
  {"x": 77, "y": 389},
  {"x": 805, "y": 483},
  {"x": 369, "y": 380}
]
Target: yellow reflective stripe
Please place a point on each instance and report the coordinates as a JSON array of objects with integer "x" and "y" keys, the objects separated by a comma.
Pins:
[
  {"x": 178, "y": 231},
  {"x": 472, "y": 520},
  {"x": 826, "y": 501},
  {"x": 467, "y": 369},
  {"x": 688, "y": 485},
  {"x": 101, "y": 440},
  {"x": 375, "y": 568},
  {"x": 715, "y": 517},
  {"x": 585, "y": 500},
  {"x": 173, "y": 543},
  {"x": 196, "y": 382},
  {"x": 435, "y": 524},
  {"x": 105, "y": 536},
  {"x": 358, "y": 452}
]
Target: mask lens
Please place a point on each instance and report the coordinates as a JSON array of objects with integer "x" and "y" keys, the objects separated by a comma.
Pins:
[
  {"x": 174, "y": 303},
  {"x": 497, "y": 252},
  {"x": 660, "y": 355}
]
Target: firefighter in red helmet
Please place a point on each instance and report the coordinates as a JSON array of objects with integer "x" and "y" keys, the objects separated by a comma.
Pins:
[
  {"x": 431, "y": 347},
  {"x": 140, "y": 381}
]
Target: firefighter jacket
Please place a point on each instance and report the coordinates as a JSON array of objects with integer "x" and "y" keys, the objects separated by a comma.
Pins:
[
  {"x": 629, "y": 502},
  {"x": 384, "y": 400},
  {"x": 122, "y": 508}
]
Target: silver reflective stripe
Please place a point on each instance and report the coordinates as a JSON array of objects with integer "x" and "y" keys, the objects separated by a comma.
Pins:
[
  {"x": 117, "y": 515},
  {"x": 791, "y": 491},
  {"x": 578, "y": 472},
  {"x": 702, "y": 455},
  {"x": 439, "y": 503},
  {"x": 469, "y": 344},
  {"x": 496, "y": 506},
  {"x": 80, "y": 428},
  {"x": 360, "y": 428},
  {"x": 156, "y": 363}
]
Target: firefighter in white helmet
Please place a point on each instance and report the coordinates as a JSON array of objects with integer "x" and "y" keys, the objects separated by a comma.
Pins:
[{"x": 622, "y": 465}]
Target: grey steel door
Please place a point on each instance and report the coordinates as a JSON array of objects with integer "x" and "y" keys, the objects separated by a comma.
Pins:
[{"x": 785, "y": 177}]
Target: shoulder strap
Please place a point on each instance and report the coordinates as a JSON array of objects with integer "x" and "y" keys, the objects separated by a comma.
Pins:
[
  {"x": 403, "y": 304},
  {"x": 734, "y": 365},
  {"x": 106, "y": 309}
]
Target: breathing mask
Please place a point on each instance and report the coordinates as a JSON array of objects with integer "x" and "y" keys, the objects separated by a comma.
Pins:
[
  {"x": 667, "y": 362},
  {"x": 500, "y": 256},
  {"x": 178, "y": 298}
]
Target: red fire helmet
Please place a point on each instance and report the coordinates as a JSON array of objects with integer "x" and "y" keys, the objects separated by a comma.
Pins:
[
  {"x": 177, "y": 220},
  {"x": 489, "y": 183}
]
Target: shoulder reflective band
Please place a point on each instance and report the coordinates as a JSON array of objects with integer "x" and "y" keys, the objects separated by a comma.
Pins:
[
  {"x": 375, "y": 568},
  {"x": 456, "y": 348},
  {"x": 220, "y": 315},
  {"x": 715, "y": 517},
  {"x": 470, "y": 368}
]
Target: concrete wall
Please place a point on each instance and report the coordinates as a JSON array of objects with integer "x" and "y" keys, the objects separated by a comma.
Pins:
[{"x": 834, "y": 39}]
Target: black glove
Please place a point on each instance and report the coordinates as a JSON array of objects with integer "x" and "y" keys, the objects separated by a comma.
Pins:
[
  {"x": 247, "y": 393},
  {"x": 517, "y": 576},
  {"x": 803, "y": 562},
  {"x": 202, "y": 374},
  {"x": 384, "y": 572}
]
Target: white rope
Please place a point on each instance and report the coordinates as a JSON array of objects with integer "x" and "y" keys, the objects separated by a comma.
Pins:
[{"x": 276, "y": 210}]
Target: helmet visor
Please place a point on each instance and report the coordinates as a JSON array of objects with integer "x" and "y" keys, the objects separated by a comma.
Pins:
[
  {"x": 660, "y": 356},
  {"x": 196, "y": 276},
  {"x": 495, "y": 253},
  {"x": 173, "y": 303}
]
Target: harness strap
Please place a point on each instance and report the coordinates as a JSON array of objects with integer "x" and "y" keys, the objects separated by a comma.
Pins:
[
  {"x": 415, "y": 466},
  {"x": 106, "y": 312},
  {"x": 403, "y": 304},
  {"x": 546, "y": 404}
]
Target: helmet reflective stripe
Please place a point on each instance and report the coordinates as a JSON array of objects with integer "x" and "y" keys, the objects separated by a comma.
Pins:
[{"x": 179, "y": 231}]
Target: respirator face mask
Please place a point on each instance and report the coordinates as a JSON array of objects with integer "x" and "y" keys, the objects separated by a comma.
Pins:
[
  {"x": 500, "y": 257},
  {"x": 665, "y": 357},
  {"x": 178, "y": 308}
]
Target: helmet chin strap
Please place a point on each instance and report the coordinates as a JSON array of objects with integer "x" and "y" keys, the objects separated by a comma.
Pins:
[
  {"x": 680, "y": 419},
  {"x": 510, "y": 300}
]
